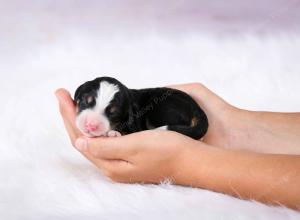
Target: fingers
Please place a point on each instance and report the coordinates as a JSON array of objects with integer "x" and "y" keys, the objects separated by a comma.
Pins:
[
  {"x": 115, "y": 148},
  {"x": 205, "y": 98},
  {"x": 117, "y": 170},
  {"x": 187, "y": 87},
  {"x": 68, "y": 113},
  {"x": 107, "y": 158}
]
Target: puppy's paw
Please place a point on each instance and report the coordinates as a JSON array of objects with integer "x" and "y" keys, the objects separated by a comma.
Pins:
[{"x": 113, "y": 133}]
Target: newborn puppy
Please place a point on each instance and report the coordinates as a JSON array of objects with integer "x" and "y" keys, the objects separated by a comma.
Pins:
[{"x": 105, "y": 107}]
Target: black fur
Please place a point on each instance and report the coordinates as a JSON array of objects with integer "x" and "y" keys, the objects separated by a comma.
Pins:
[{"x": 136, "y": 110}]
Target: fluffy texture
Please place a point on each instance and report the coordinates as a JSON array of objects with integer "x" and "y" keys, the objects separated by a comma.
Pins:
[{"x": 49, "y": 45}]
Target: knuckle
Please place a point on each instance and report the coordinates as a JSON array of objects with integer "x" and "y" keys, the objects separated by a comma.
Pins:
[{"x": 197, "y": 85}]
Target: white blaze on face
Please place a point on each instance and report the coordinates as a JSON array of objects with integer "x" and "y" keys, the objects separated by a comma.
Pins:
[
  {"x": 105, "y": 94},
  {"x": 92, "y": 121}
]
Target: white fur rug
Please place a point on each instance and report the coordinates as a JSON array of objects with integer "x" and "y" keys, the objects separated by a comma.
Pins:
[{"x": 51, "y": 45}]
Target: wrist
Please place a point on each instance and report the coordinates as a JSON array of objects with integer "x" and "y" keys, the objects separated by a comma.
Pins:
[
  {"x": 265, "y": 132},
  {"x": 237, "y": 125},
  {"x": 188, "y": 169},
  {"x": 250, "y": 130}
]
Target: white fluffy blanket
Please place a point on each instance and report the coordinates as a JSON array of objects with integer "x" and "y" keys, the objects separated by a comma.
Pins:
[{"x": 49, "y": 45}]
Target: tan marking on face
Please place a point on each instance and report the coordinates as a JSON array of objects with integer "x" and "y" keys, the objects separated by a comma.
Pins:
[
  {"x": 113, "y": 109},
  {"x": 89, "y": 99},
  {"x": 194, "y": 122}
]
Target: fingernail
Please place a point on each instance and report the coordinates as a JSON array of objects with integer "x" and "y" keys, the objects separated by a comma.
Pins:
[{"x": 81, "y": 144}]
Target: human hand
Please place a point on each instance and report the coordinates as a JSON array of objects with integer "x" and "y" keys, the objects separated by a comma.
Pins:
[
  {"x": 154, "y": 155},
  {"x": 148, "y": 156},
  {"x": 222, "y": 117}
]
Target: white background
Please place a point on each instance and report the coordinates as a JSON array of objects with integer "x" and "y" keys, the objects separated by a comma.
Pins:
[{"x": 246, "y": 51}]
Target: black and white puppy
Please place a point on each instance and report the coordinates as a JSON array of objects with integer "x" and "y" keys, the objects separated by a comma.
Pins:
[{"x": 105, "y": 107}]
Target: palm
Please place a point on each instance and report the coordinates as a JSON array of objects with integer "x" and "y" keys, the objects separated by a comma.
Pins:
[{"x": 220, "y": 114}]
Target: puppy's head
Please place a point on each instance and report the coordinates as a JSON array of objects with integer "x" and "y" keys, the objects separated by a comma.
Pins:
[{"x": 102, "y": 105}]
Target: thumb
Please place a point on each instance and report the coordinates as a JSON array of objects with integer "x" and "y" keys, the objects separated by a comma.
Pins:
[{"x": 68, "y": 113}]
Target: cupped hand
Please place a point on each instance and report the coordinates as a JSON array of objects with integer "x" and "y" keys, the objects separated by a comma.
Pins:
[
  {"x": 153, "y": 155},
  {"x": 149, "y": 156},
  {"x": 223, "y": 118}
]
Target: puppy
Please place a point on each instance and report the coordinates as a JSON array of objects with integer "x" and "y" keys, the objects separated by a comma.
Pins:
[{"x": 105, "y": 107}]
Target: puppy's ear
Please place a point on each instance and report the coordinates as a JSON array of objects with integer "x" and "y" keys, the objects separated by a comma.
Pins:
[{"x": 80, "y": 90}]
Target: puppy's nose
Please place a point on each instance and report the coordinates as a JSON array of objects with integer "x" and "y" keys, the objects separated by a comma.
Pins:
[{"x": 92, "y": 126}]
